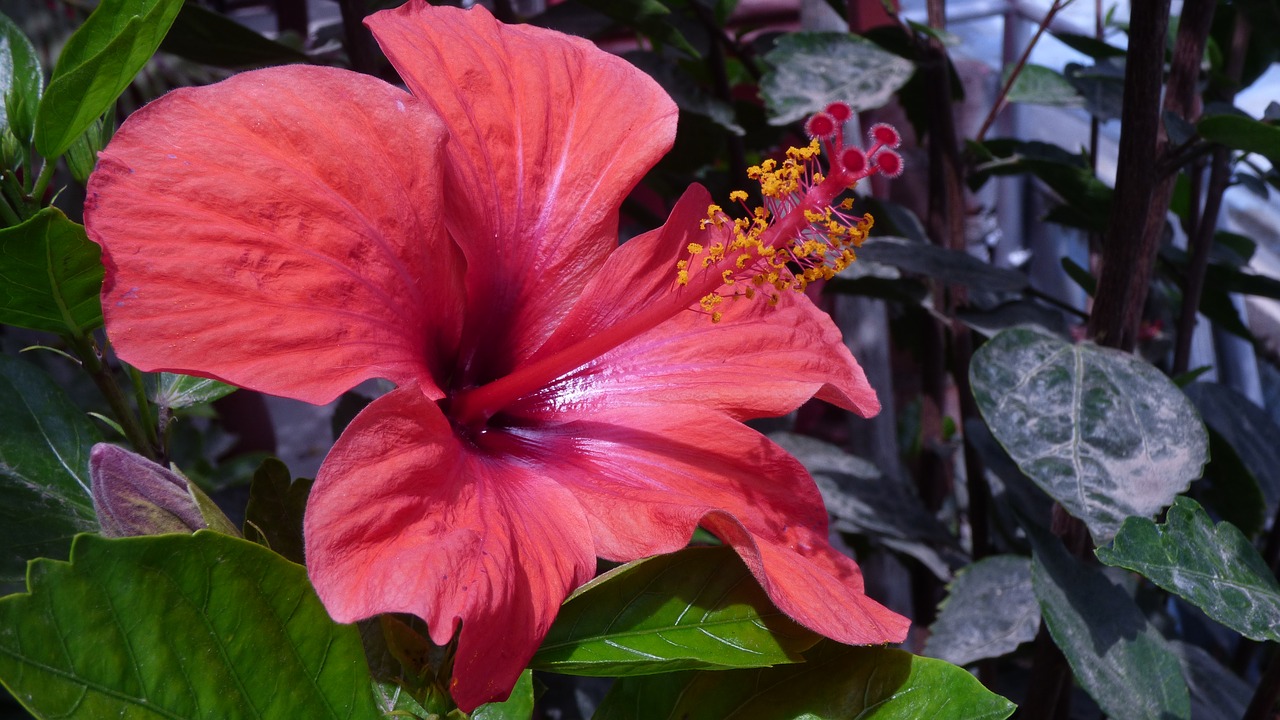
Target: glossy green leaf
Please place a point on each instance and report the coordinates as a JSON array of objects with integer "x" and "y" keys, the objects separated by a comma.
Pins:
[
  {"x": 178, "y": 391},
  {"x": 1243, "y": 133},
  {"x": 1118, "y": 657},
  {"x": 863, "y": 502},
  {"x": 1102, "y": 432},
  {"x": 50, "y": 275},
  {"x": 273, "y": 516},
  {"x": 836, "y": 682},
  {"x": 178, "y": 626},
  {"x": 989, "y": 611},
  {"x": 699, "y": 608},
  {"x": 1249, "y": 433},
  {"x": 517, "y": 707},
  {"x": 810, "y": 70},
  {"x": 211, "y": 38},
  {"x": 97, "y": 64},
  {"x": 1039, "y": 85},
  {"x": 44, "y": 468},
  {"x": 1214, "y": 567},
  {"x": 21, "y": 82}
]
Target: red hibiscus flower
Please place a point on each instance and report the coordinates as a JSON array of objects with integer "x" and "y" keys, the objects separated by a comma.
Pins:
[{"x": 298, "y": 230}]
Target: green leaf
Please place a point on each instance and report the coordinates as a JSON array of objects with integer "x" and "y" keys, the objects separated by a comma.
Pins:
[
  {"x": 50, "y": 275},
  {"x": 1100, "y": 86},
  {"x": 1217, "y": 693},
  {"x": 951, "y": 266},
  {"x": 1213, "y": 567},
  {"x": 1089, "y": 45},
  {"x": 517, "y": 707},
  {"x": 21, "y": 82},
  {"x": 178, "y": 626},
  {"x": 1250, "y": 433},
  {"x": 688, "y": 95},
  {"x": 990, "y": 610},
  {"x": 273, "y": 516},
  {"x": 1117, "y": 656},
  {"x": 811, "y": 70},
  {"x": 1243, "y": 133},
  {"x": 836, "y": 682},
  {"x": 172, "y": 390},
  {"x": 1102, "y": 432},
  {"x": 97, "y": 64},
  {"x": 864, "y": 502},
  {"x": 650, "y": 17},
  {"x": 210, "y": 38},
  {"x": 44, "y": 468},
  {"x": 699, "y": 608},
  {"x": 1039, "y": 85}
]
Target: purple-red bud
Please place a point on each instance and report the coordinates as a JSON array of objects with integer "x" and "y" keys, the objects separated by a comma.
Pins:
[
  {"x": 821, "y": 125},
  {"x": 134, "y": 496},
  {"x": 889, "y": 163},
  {"x": 884, "y": 134},
  {"x": 841, "y": 112}
]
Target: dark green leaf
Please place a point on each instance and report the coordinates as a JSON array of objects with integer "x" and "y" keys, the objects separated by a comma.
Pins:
[
  {"x": 811, "y": 70},
  {"x": 1248, "y": 429},
  {"x": 699, "y": 608},
  {"x": 1101, "y": 87},
  {"x": 1216, "y": 692},
  {"x": 1214, "y": 567},
  {"x": 50, "y": 275},
  {"x": 1233, "y": 280},
  {"x": 1080, "y": 276},
  {"x": 178, "y": 626},
  {"x": 1039, "y": 85},
  {"x": 990, "y": 610},
  {"x": 863, "y": 502},
  {"x": 1089, "y": 45},
  {"x": 44, "y": 468},
  {"x": 836, "y": 682},
  {"x": 1230, "y": 488},
  {"x": 21, "y": 82},
  {"x": 210, "y": 38},
  {"x": 273, "y": 516},
  {"x": 172, "y": 390},
  {"x": 97, "y": 64},
  {"x": 1243, "y": 133},
  {"x": 1117, "y": 656},
  {"x": 650, "y": 17},
  {"x": 1102, "y": 432},
  {"x": 1014, "y": 313},
  {"x": 951, "y": 266},
  {"x": 688, "y": 95}
]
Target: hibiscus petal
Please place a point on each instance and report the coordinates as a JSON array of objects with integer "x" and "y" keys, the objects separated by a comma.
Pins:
[
  {"x": 404, "y": 517},
  {"x": 759, "y": 360},
  {"x": 279, "y": 230},
  {"x": 647, "y": 476},
  {"x": 547, "y": 135}
]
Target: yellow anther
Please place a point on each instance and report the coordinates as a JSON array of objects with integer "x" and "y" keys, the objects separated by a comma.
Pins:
[
  {"x": 682, "y": 277},
  {"x": 694, "y": 248},
  {"x": 715, "y": 317},
  {"x": 738, "y": 196},
  {"x": 727, "y": 276},
  {"x": 743, "y": 260}
]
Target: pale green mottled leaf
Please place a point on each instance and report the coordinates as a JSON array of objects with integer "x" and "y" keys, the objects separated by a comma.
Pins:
[
  {"x": 989, "y": 611},
  {"x": 1214, "y": 567},
  {"x": 1102, "y": 432},
  {"x": 811, "y": 70}
]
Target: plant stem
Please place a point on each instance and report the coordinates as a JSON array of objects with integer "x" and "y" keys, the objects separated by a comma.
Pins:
[
  {"x": 42, "y": 181},
  {"x": 91, "y": 360},
  {"x": 1126, "y": 264},
  {"x": 1201, "y": 245}
]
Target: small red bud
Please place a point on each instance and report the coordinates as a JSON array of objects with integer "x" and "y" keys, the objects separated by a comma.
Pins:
[
  {"x": 885, "y": 134},
  {"x": 821, "y": 125},
  {"x": 853, "y": 160},
  {"x": 840, "y": 111},
  {"x": 889, "y": 163}
]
